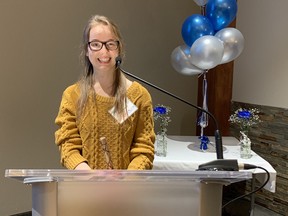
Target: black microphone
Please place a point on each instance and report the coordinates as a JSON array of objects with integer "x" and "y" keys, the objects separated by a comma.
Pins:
[
  {"x": 118, "y": 61},
  {"x": 218, "y": 164}
]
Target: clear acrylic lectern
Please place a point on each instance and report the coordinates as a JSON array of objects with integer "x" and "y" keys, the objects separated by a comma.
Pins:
[{"x": 126, "y": 193}]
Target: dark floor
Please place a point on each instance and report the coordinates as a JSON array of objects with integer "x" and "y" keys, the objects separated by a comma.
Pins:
[
  {"x": 261, "y": 211},
  {"x": 243, "y": 208},
  {"x": 29, "y": 213}
]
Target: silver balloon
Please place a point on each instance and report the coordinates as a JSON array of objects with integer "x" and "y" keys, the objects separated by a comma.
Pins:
[
  {"x": 180, "y": 61},
  {"x": 233, "y": 43},
  {"x": 206, "y": 52},
  {"x": 200, "y": 2}
]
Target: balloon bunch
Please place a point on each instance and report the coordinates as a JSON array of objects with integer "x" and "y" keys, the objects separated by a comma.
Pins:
[{"x": 208, "y": 40}]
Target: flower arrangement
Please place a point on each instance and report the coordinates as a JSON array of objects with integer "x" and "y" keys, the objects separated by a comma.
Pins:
[
  {"x": 245, "y": 118},
  {"x": 161, "y": 113}
]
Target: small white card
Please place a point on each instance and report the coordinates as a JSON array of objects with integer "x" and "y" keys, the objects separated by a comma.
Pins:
[{"x": 130, "y": 109}]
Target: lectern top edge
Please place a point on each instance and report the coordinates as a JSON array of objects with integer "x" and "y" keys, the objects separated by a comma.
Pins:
[{"x": 127, "y": 175}]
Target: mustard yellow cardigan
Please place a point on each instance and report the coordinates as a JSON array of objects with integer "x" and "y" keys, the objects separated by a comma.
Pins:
[{"x": 131, "y": 143}]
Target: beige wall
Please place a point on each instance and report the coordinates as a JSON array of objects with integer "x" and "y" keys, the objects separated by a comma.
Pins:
[
  {"x": 261, "y": 71},
  {"x": 39, "y": 57}
]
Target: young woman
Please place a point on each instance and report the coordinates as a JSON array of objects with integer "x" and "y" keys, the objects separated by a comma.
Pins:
[{"x": 105, "y": 120}]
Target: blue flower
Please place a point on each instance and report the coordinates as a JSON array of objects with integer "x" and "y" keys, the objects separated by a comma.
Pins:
[
  {"x": 245, "y": 114},
  {"x": 161, "y": 113},
  {"x": 245, "y": 118},
  {"x": 160, "y": 110}
]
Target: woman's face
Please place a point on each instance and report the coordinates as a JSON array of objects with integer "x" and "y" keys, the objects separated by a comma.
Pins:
[{"x": 103, "y": 59}]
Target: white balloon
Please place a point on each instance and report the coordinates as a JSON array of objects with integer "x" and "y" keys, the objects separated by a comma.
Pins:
[
  {"x": 233, "y": 43},
  {"x": 206, "y": 52},
  {"x": 180, "y": 61},
  {"x": 200, "y": 2}
]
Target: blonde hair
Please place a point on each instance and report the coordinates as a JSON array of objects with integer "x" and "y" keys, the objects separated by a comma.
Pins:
[{"x": 86, "y": 80}]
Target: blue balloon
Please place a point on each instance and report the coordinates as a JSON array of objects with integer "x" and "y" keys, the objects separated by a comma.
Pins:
[
  {"x": 194, "y": 27},
  {"x": 221, "y": 12}
]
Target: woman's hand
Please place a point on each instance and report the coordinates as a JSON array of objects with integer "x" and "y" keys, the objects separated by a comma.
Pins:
[{"x": 82, "y": 166}]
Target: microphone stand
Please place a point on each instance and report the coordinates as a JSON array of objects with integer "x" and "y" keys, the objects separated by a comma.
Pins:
[
  {"x": 216, "y": 165},
  {"x": 218, "y": 138}
]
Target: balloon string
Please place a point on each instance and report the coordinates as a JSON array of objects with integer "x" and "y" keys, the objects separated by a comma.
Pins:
[
  {"x": 203, "y": 120},
  {"x": 203, "y": 10},
  {"x": 202, "y": 132},
  {"x": 203, "y": 73},
  {"x": 205, "y": 99}
]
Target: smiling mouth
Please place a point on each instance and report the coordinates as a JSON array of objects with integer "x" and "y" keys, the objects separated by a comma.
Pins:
[{"x": 104, "y": 60}]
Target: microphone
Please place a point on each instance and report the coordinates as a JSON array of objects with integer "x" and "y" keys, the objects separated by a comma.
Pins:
[
  {"x": 220, "y": 163},
  {"x": 118, "y": 61}
]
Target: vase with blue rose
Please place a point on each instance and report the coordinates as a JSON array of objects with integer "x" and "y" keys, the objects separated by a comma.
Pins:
[
  {"x": 245, "y": 119},
  {"x": 161, "y": 115}
]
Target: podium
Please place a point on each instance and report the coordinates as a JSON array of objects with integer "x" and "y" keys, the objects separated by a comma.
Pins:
[{"x": 62, "y": 192}]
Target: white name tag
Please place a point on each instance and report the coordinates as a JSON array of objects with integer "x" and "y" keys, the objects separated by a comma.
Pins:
[{"x": 130, "y": 109}]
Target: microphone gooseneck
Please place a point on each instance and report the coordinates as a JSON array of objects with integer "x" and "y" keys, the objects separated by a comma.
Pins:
[{"x": 218, "y": 138}]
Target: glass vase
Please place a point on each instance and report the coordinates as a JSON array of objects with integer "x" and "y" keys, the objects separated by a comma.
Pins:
[
  {"x": 245, "y": 145},
  {"x": 161, "y": 145}
]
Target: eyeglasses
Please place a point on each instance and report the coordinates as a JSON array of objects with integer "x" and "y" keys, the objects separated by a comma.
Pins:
[{"x": 97, "y": 45}]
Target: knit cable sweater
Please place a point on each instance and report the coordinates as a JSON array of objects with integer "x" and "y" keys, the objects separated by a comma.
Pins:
[{"x": 131, "y": 143}]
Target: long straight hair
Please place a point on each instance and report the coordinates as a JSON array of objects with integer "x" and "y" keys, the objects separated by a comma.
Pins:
[{"x": 86, "y": 80}]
